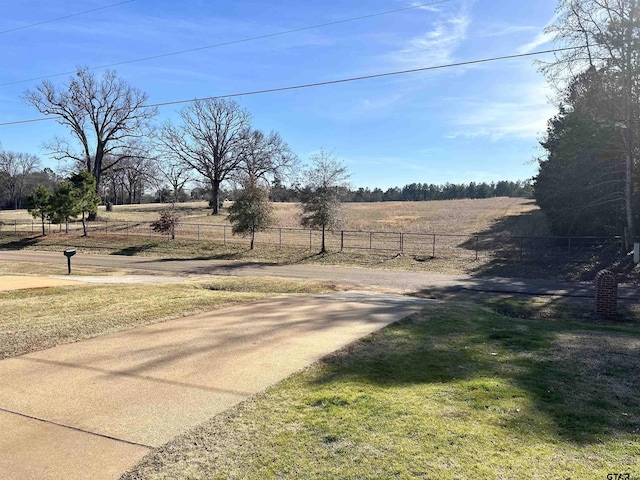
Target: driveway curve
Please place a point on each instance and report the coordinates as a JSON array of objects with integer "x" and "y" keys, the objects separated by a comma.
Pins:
[{"x": 94, "y": 408}]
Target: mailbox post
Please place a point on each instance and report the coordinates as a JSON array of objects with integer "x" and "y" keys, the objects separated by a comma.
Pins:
[{"x": 69, "y": 253}]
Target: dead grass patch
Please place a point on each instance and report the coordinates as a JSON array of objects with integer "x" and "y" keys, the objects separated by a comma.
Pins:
[{"x": 29, "y": 268}]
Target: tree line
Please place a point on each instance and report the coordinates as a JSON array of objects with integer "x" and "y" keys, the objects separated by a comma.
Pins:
[
  {"x": 142, "y": 179},
  {"x": 419, "y": 192},
  {"x": 20, "y": 174},
  {"x": 112, "y": 136},
  {"x": 588, "y": 179}
]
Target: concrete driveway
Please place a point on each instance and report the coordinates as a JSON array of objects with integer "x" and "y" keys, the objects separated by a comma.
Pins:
[{"x": 93, "y": 409}]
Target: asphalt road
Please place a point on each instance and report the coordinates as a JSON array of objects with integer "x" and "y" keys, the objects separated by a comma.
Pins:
[{"x": 398, "y": 281}]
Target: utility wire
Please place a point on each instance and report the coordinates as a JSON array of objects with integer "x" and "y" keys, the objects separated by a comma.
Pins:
[
  {"x": 332, "y": 82},
  {"x": 364, "y": 77},
  {"x": 63, "y": 18},
  {"x": 234, "y": 42}
]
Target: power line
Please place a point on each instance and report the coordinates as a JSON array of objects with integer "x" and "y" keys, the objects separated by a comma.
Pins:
[
  {"x": 235, "y": 42},
  {"x": 63, "y": 18},
  {"x": 334, "y": 82}
]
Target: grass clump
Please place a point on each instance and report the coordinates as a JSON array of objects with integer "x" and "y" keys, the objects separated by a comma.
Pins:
[{"x": 459, "y": 391}]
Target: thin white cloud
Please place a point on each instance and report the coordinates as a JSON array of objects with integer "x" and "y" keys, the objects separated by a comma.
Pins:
[
  {"x": 370, "y": 106},
  {"x": 428, "y": 8},
  {"x": 541, "y": 39},
  {"x": 437, "y": 45},
  {"x": 523, "y": 115},
  {"x": 502, "y": 30}
]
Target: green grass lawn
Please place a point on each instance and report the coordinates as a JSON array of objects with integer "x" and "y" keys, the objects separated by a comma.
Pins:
[{"x": 458, "y": 392}]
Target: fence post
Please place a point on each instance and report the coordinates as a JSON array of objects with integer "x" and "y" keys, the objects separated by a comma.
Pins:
[
  {"x": 370, "y": 239},
  {"x": 433, "y": 255},
  {"x": 280, "y": 233},
  {"x": 341, "y": 240},
  {"x": 520, "y": 249},
  {"x": 127, "y": 228},
  {"x": 477, "y": 240}
]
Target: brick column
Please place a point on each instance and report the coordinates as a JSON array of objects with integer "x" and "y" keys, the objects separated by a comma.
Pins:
[{"x": 606, "y": 301}]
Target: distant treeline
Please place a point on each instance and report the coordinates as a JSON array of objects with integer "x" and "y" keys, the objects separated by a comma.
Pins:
[
  {"x": 16, "y": 187},
  {"x": 420, "y": 192},
  {"x": 16, "y": 184}
]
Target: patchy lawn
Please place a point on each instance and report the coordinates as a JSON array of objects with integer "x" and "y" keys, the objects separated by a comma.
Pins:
[
  {"x": 42, "y": 318},
  {"x": 460, "y": 391}
]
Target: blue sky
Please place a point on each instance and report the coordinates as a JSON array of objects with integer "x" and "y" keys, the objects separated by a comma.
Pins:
[{"x": 475, "y": 123}]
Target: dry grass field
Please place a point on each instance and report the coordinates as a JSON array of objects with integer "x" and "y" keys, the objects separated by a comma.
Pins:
[
  {"x": 507, "y": 216},
  {"x": 480, "y": 237}
]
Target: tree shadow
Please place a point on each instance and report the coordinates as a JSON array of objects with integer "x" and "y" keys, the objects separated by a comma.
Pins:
[
  {"x": 134, "y": 250},
  {"x": 521, "y": 246},
  {"x": 237, "y": 261},
  {"x": 583, "y": 379},
  {"x": 21, "y": 243}
]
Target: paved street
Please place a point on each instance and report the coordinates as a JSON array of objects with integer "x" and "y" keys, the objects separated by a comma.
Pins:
[{"x": 405, "y": 282}]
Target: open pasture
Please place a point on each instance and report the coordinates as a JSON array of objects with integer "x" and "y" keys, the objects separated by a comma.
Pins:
[
  {"x": 496, "y": 236},
  {"x": 502, "y": 216}
]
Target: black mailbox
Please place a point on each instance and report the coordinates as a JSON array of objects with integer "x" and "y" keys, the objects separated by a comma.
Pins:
[{"x": 69, "y": 253}]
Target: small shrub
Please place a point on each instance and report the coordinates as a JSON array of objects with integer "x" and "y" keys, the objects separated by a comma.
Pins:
[{"x": 167, "y": 223}]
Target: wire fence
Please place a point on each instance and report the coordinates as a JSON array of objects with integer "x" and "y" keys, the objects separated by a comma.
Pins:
[{"x": 425, "y": 245}]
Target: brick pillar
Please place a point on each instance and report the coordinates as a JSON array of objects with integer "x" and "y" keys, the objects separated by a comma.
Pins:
[{"x": 606, "y": 302}]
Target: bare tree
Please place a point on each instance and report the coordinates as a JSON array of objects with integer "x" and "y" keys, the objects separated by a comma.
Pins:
[
  {"x": 321, "y": 198},
  {"x": 128, "y": 176},
  {"x": 210, "y": 140},
  {"x": 605, "y": 37},
  {"x": 264, "y": 158},
  {"x": 104, "y": 116},
  {"x": 177, "y": 174},
  {"x": 15, "y": 168}
]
